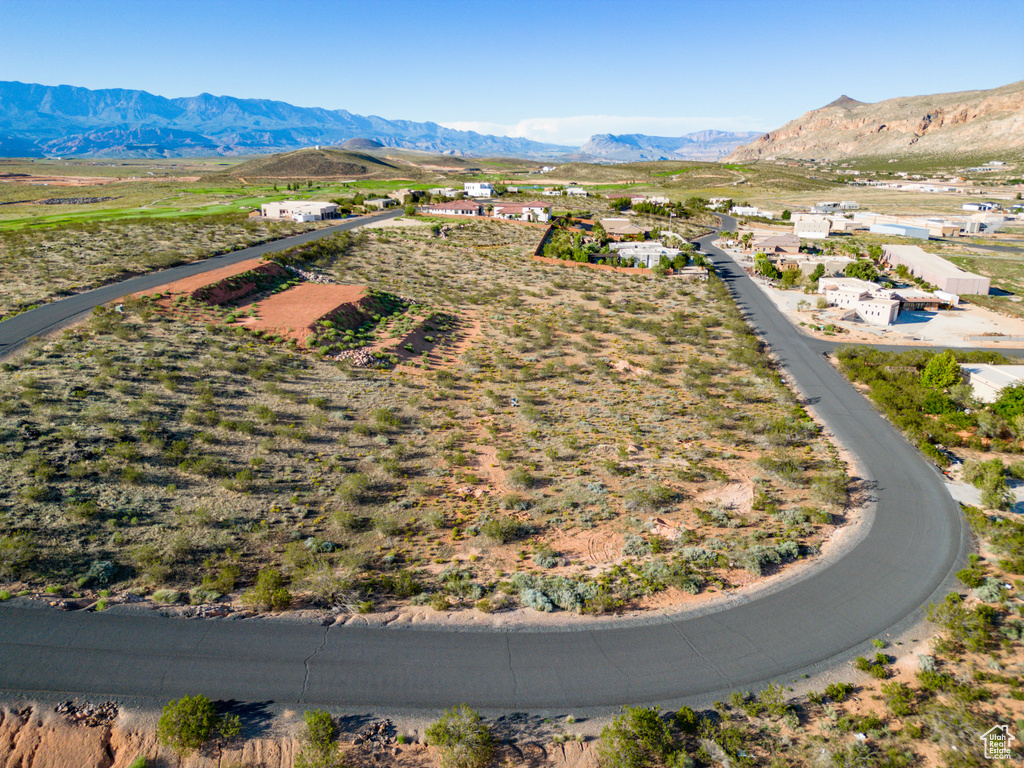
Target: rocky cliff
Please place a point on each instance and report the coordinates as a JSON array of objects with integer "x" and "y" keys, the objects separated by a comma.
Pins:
[{"x": 967, "y": 123}]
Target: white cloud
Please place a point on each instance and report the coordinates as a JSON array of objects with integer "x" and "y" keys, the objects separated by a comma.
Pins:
[{"x": 575, "y": 130}]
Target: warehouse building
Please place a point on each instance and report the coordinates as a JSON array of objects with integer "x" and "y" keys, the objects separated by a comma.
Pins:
[{"x": 935, "y": 270}]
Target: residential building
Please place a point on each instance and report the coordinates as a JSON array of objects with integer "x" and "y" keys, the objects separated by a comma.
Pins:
[
  {"x": 523, "y": 211},
  {"x": 456, "y": 208},
  {"x": 575, "y": 192},
  {"x": 988, "y": 381},
  {"x": 864, "y": 299},
  {"x": 400, "y": 195},
  {"x": 645, "y": 254},
  {"x": 935, "y": 270},
  {"x": 479, "y": 189},
  {"x": 379, "y": 203},
  {"x": 745, "y": 210},
  {"x": 299, "y": 210},
  {"x": 773, "y": 244}
]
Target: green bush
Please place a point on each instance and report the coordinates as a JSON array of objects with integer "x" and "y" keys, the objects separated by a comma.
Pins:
[
  {"x": 462, "y": 738},
  {"x": 899, "y": 698},
  {"x": 269, "y": 592},
  {"x": 187, "y": 723},
  {"x": 318, "y": 750},
  {"x": 15, "y": 552},
  {"x": 838, "y": 692},
  {"x": 639, "y": 738}
]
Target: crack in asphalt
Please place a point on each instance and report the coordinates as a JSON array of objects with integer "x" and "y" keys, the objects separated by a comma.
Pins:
[
  {"x": 512, "y": 671},
  {"x": 707, "y": 662},
  {"x": 613, "y": 665},
  {"x": 305, "y": 663},
  {"x": 753, "y": 643}
]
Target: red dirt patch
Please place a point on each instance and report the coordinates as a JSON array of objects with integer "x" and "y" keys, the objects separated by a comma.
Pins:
[
  {"x": 293, "y": 314},
  {"x": 190, "y": 284}
]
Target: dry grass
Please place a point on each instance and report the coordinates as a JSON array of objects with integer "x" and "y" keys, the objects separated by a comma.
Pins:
[{"x": 38, "y": 266}]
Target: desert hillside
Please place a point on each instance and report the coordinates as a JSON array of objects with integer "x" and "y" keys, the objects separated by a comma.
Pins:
[{"x": 950, "y": 124}]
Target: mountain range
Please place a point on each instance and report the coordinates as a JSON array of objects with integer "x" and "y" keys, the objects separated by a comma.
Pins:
[
  {"x": 633, "y": 147},
  {"x": 43, "y": 120},
  {"x": 964, "y": 124}
]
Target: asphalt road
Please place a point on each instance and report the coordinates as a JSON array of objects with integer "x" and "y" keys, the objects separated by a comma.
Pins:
[
  {"x": 902, "y": 558},
  {"x": 48, "y": 317}
]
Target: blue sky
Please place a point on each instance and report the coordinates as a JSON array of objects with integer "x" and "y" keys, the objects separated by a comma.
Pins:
[{"x": 551, "y": 71}]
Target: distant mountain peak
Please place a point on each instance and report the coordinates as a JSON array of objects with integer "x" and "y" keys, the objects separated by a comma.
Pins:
[
  {"x": 961, "y": 124},
  {"x": 706, "y": 146},
  {"x": 844, "y": 101}
]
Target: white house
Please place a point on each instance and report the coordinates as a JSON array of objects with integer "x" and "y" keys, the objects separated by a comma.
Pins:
[
  {"x": 744, "y": 210},
  {"x": 861, "y": 297},
  {"x": 479, "y": 188},
  {"x": 646, "y": 254},
  {"x": 523, "y": 211},
  {"x": 575, "y": 192},
  {"x": 299, "y": 210}
]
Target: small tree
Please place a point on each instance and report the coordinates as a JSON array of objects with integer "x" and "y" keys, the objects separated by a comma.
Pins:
[
  {"x": 1010, "y": 403},
  {"x": 462, "y": 738},
  {"x": 763, "y": 266},
  {"x": 862, "y": 269},
  {"x": 318, "y": 750},
  {"x": 187, "y": 723},
  {"x": 941, "y": 371},
  {"x": 410, "y": 210},
  {"x": 786, "y": 215}
]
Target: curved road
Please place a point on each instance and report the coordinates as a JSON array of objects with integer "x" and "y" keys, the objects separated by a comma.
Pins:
[
  {"x": 902, "y": 559},
  {"x": 20, "y": 328}
]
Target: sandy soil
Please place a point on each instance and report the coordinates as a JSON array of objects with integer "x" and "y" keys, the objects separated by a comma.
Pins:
[
  {"x": 293, "y": 313},
  {"x": 187, "y": 285}
]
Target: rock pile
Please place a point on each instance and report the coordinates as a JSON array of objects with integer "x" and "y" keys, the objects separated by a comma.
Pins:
[
  {"x": 88, "y": 714},
  {"x": 360, "y": 358},
  {"x": 208, "y": 611},
  {"x": 311, "y": 277},
  {"x": 377, "y": 736}
]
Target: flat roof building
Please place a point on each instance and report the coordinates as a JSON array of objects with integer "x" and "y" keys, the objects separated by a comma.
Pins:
[
  {"x": 299, "y": 210},
  {"x": 935, "y": 270},
  {"x": 988, "y": 381},
  {"x": 904, "y": 230}
]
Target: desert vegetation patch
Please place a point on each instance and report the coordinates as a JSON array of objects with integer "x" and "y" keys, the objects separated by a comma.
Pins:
[{"x": 552, "y": 439}]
